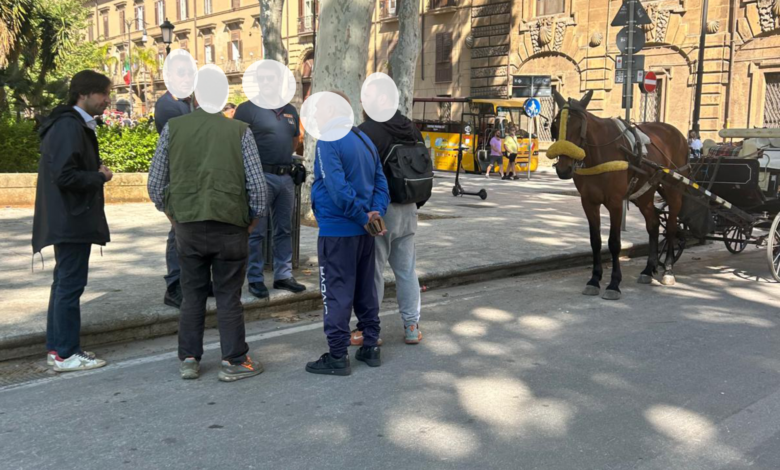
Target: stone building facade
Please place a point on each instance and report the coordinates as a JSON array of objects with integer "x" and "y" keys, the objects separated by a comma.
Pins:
[{"x": 475, "y": 47}]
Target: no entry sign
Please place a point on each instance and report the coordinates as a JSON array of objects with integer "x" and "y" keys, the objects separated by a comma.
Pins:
[{"x": 650, "y": 82}]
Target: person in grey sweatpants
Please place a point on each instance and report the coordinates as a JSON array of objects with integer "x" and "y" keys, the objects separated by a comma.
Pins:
[{"x": 397, "y": 246}]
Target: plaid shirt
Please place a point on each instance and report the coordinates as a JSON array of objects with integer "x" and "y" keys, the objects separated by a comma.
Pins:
[{"x": 159, "y": 175}]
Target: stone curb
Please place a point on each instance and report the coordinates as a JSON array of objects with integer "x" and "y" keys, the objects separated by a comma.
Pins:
[{"x": 164, "y": 320}]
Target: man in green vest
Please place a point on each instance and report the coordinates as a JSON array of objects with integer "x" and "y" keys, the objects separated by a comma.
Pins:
[{"x": 207, "y": 177}]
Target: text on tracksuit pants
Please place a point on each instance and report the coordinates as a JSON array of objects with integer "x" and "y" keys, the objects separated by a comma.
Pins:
[{"x": 347, "y": 279}]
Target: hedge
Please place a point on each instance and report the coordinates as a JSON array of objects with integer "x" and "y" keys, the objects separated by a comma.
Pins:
[
  {"x": 123, "y": 149},
  {"x": 19, "y": 146}
]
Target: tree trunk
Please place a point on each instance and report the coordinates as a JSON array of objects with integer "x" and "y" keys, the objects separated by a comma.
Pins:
[
  {"x": 403, "y": 59},
  {"x": 339, "y": 64},
  {"x": 271, "y": 30}
]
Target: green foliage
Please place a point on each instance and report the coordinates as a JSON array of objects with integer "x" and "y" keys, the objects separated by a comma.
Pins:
[
  {"x": 19, "y": 146},
  {"x": 127, "y": 149},
  {"x": 237, "y": 97},
  {"x": 48, "y": 32}
]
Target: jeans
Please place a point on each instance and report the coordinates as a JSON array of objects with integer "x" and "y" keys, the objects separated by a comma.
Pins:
[
  {"x": 346, "y": 275},
  {"x": 63, "y": 320},
  {"x": 397, "y": 246},
  {"x": 281, "y": 200},
  {"x": 172, "y": 260},
  {"x": 220, "y": 250}
]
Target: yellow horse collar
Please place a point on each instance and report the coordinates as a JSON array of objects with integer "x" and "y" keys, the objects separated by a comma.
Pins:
[{"x": 602, "y": 168}]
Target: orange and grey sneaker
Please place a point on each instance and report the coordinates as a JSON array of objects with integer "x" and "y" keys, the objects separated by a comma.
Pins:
[
  {"x": 357, "y": 339},
  {"x": 412, "y": 334},
  {"x": 232, "y": 372}
]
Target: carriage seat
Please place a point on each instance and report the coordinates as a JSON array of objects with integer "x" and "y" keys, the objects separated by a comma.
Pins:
[{"x": 644, "y": 140}]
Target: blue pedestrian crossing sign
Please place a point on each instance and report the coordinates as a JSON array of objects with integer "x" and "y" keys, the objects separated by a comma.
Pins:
[{"x": 532, "y": 107}]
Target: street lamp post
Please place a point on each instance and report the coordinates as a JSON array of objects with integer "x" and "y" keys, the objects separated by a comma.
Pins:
[{"x": 167, "y": 35}]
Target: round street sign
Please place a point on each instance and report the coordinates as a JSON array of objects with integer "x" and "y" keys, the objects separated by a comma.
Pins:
[
  {"x": 650, "y": 83},
  {"x": 532, "y": 107},
  {"x": 622, "y": 40}
]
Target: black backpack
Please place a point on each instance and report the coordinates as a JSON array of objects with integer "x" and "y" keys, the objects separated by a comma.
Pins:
[{"x": 409, "y": 171}]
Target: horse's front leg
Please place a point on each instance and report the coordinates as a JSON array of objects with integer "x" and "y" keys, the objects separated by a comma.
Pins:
[
  {"x": 592, "y": 212},
  {"x": 615, "y": 221},
  {"x": 652, "y": 223}
]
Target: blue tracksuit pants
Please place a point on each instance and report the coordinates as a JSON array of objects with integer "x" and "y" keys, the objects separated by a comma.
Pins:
[{"x": 346, "y": 280}]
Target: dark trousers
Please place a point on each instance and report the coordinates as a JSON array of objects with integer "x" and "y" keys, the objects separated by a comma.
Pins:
[
  {"x": 346, "y": 280},
  {"x": 220, "y": 250},
  {"x": 172, "y": 261},
  {"x": 63, "y": 321}
]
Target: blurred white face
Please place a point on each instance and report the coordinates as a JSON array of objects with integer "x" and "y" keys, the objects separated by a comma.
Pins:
[{"x": 321, "y": 111}]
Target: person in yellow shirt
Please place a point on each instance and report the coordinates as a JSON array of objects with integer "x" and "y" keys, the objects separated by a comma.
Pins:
[{"x": 511, "y": 146}]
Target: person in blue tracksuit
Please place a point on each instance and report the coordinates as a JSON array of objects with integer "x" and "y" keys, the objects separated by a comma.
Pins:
[{"x": 349, "y": 190}]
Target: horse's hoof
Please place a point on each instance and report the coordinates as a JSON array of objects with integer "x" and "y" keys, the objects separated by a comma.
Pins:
[
  {"x": 610, "y": 294},
  {"x": 645, "y": 279},
  {"x": 667, "y": 280},
  {"x": 591, "y": 290}
]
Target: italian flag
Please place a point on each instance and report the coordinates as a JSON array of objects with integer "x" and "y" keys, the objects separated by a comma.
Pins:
[{"x": 126, "y": 69}]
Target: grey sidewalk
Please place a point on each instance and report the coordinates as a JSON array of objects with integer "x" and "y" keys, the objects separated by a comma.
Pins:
[{"x": 522, "y": 227}]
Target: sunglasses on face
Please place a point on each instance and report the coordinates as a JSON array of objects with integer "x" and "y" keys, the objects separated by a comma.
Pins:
[
  {"x": 181, "y": 73},
  {"x": 266, "y": 78}
]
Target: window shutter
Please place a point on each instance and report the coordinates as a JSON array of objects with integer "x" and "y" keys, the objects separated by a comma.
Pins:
[
  {"x": 163, "y": 13},
  {"x": 121, "y": 22},
  {"x": 240, "y": 49},
  {"x": 105, "y": 26},
  {"x": 157, "y": 13},
  {"x": 178, "y": 10},
  {"x": 443, "y": 57},
  {"x": 91, "y": 31},
  {"x": 230, "y": 51}
]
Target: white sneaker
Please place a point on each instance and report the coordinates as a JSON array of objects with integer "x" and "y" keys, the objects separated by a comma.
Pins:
[
  {"x": 52, "y": 356},
  {"x": 78, "y": 361}
]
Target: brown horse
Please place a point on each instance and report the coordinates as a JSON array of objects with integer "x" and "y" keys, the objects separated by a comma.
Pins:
[{"x": 592, "y": 150}]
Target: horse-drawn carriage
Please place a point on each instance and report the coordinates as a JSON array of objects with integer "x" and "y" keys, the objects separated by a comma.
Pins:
[
  {"x": 730, "y": 194},
  {"x": 733, "y": 196}
]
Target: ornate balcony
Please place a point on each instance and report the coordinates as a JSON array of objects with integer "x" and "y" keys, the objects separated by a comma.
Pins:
[{"x": 306, "y": 24}]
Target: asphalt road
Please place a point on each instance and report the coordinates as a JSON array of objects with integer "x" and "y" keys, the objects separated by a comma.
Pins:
[{"x": 521, "y": 373}]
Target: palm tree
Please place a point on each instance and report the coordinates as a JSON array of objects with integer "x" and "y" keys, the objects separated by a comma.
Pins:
[
  {"x": 146, "y": 58},
  {"x": 15, "y": 29},
  {"x": 107, "y": 62}
]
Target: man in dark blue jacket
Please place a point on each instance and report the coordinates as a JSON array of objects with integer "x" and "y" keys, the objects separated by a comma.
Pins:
[
  {"x": 166, "y": 108},
  {"x": 349, "y": 191},
  {"x": 69, "y": 212}
]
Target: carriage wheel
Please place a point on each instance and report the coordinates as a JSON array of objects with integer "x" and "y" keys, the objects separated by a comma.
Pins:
[
  {"x": 773, "y": 248},
  {"x": 736, "y": 238},
  {"x": 678, "y": 249}
]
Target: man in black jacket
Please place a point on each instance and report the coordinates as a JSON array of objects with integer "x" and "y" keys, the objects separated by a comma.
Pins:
[
  {"x": 397, "y": 246},
  {"x": 69, "y": 212}
]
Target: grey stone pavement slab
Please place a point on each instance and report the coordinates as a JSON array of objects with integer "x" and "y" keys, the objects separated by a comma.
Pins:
[
  {"x": 517, "y": 373},
  {"x": 520, "y": 223}
]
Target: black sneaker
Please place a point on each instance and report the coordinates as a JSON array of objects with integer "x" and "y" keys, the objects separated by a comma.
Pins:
[
  {"x": 370, "y": 355},
  {"x": 290, "y": 284},
  {"x": 173, "y": 297},
  {"x": 259, "y": 290},
  {"x": 328, "y": 365}
]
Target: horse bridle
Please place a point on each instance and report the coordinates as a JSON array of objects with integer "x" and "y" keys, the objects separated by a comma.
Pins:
[{"x": 584, "y": 130}]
